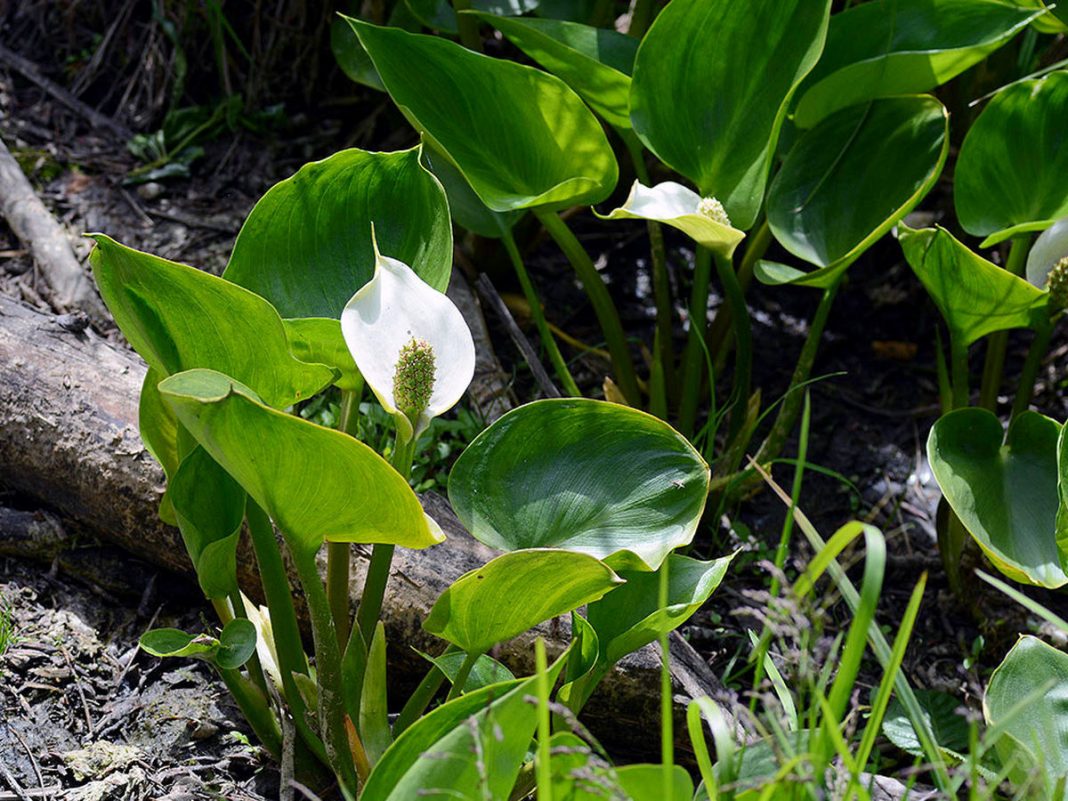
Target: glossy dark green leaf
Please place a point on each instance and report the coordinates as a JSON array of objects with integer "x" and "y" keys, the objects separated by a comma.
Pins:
[
  {"x": 484, "y": 672},
  {"x": 703, "y": 114},
  {"x": 595, "y": 62},
  {"x": 1041, "y": 726},
  {"x": 179, "y": 318},
  {"x": 439, "y": 14},
  {"x": 319, "y": 340},
  {"x": 974, "y": 296},
  {"x": 351, "y": 56},
  {"x": 316, "y": 483},
  {"x": 467, "y": 208},
  {"x": 306, "y": 246},
  {"x": 521, "y": 137},
  {"x": 1003, "y": 488},
  {"x": 1010, "y": 172},
  {"x": 237, "y": 644},
  {"x": 582, "y": 475},
  {"x": 950, "y": 729},
  {"x": 896, "y": 47},
  {"x": 515, "y": 592},
  {"x": 629, "y": 618},
  {"x": 210, "y": 508},
  {"x": 847, "y": 181},
  {"x": 432, "y": 758}
]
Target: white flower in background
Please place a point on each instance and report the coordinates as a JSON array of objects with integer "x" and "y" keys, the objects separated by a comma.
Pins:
[
  {"x": 703, "y": 218},
  {"x": 411, "y": 344},
  {"x": 1047, "y": 263},
  {"x": 260, "y": 617}
]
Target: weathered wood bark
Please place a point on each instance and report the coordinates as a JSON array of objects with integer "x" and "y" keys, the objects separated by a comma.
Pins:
[
  {"x": 68, "y": 437},
  {"x": 37, "y": 228}
]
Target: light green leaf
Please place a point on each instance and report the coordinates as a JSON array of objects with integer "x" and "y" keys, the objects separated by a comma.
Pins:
[
  {"x": 316, "y": 483},
  {"x": 646, "y": 782},
  {"x": 374, "y": 712},
  {"x": 1010, "y": 172},
  {"x": 175, "y": 642},
  {"x": 432, "y": 758},
  {"x": 179, "y": 318},
  {"x": 895, "y": 47},
  {"x": 680, "y": 207},
  {"x": 466, "y": 207},
  {"x": 515, "y": 592},
  {"x": 974, "y": 296},
  {"x": 580, "y": 679},
  {"x": 521, "y": 137},
  {"x": 439, "y": 14},
  {"x": 596, "y": 62},
  {"x": 1006, "y": 495},
  {"x": 210, "y": 508},
  {"x": 582, "y": 475},
  {"x": 159, "y": 432},
  {"x": 306, "y": 245},
  {"x": 847, "y": 181},
  {"x": 629, "y": 618},
  {"x": 319, "y": 340},
  {"x": 1041, "y": 728},
  {"x": 705, "y": 117},
  {"x": 484, "y": 672}
]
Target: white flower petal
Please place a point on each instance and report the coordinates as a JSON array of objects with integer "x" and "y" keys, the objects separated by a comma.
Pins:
[
  {"x": 676, "y": 205},
  {"x": 1050, "y": 247},
  {"x": 390, "y": 310},
  {"x": 260, "y": 617}
]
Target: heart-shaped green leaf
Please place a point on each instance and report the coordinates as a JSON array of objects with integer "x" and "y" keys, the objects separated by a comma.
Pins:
[
  {"x": 159, "y": 432},
  {"x": 629, "y": 618},
  {"x": 521, "y": 137},
  {"x": 210, "y": 508},
  {"x": 237, "y": 644},
  {"x": 466, "y": 207},
  {"x": 317, "y": 484},
  {"x": 515, "y": 592},
  {"x": 974, "y": 296},
  {"x": 582, "y": 475},
  {"x": 230, "y": 650},
  {"x": 351, "y": 57},
  {"x": 179, "y": 318},
  {"x": 484, "y": 672},
  {"x": 434, "y": 754},
  {"x": 595, "y": 62},
  {"x": 439, "y": 14},
  {"x": 703, "y": 116},
  {"x": 896, "y": 47},
  {"x": 306, "y": 245},
  {"x": 950, "y": 728},
  {"x": 319, "y": 340},
  {"x": 1003, "y": 488},
  {"x": 1010, "y": 172},
  {"x": 1041, "y": 726},
  {"x": 847, "y": 181},
  {"x": 175, "y": 642}
]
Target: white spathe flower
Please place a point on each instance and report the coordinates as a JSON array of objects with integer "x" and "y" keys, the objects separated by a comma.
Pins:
[
  {"x": 260, "y": 617},
  {"x": 1050, "y": 248},
  {"x": 411, "y": 344},
  {"x": 703, "y": 219}
]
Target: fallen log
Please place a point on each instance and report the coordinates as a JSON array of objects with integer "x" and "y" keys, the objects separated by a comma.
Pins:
[{"x": 69, "y": 438}]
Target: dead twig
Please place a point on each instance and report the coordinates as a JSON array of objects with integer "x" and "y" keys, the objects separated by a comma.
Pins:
[
  {"x": 81, "y": 692},
  {"x": 32, "y": 72},
  {"x": 489, "y": 294},
  {"x": 12, "y": 782}
]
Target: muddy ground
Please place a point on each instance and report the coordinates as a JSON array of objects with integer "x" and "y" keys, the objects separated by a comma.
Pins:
[{"x": 82, "y": 709}]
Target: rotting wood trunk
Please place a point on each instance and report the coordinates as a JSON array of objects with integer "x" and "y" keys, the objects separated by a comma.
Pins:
[{"x": 69, "y": 438}]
